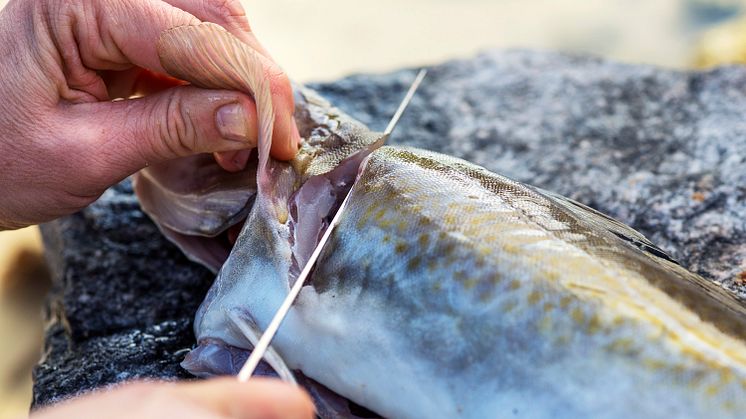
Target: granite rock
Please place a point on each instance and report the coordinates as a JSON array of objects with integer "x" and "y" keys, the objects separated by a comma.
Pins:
[
  {"x": 122, "y": 301},
  {"x": 663, "y": 151}
]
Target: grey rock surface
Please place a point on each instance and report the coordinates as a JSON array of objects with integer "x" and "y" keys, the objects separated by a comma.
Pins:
[
  {"x": 660, "y": 150},
  {"x": 121, "y": 300}
]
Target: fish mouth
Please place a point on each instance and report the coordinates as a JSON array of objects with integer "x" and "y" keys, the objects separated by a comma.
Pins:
[{"x": 225, "y": 353}]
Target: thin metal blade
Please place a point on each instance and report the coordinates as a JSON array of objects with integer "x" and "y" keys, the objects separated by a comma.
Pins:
[
  {"x": 405, "y": 102},
  {"x": 263, "y": 344}
]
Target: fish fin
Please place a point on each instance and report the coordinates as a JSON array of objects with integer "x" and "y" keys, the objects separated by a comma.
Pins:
[
  {"x": 689, "y": 290},
  {"x": 252, "y": 333},
  {"x": 208, "y": 56},
  {"x": 209, "y": 252},
  {"x": 194, "y": 196},
  {"x": 603, "y": 221}
]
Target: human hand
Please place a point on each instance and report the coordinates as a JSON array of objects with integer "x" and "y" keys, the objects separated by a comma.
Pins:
[
  {"x": 63, "y": 140},
  {"x": 216, "y": 398}
]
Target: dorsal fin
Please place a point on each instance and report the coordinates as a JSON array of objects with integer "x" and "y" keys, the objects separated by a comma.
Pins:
[{"x": 603, "y": 221}]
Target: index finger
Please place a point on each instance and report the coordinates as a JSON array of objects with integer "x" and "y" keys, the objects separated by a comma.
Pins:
[{"x": 112, "y": 34}]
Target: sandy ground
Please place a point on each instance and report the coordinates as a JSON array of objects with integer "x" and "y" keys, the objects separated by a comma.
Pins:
[{"x": 326, "y": 39}]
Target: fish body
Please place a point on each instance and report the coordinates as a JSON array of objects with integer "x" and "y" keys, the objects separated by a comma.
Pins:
[{"x": 450, "y": 291}]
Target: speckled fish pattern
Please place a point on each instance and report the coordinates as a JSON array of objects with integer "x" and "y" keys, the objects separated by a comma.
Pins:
[{"x": 449, "y": 291}]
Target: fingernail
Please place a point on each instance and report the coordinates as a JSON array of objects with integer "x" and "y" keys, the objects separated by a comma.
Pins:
[{"x": 231, "y": 122}]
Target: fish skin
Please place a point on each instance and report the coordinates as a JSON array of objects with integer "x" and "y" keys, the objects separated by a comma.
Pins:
[{"x": 449, "y": 291}]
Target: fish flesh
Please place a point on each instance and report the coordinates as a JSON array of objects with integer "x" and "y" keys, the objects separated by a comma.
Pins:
[{"x": 446, "y": 290}]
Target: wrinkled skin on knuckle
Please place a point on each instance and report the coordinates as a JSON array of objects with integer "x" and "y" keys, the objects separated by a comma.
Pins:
[
  {"x": 65, "y": 52},
  {"x": 95, "y": 30},
  {"x": 178, "y": 135}
]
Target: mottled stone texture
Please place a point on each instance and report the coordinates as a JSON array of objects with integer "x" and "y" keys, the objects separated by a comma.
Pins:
[
  {"x": 122, "y": 302},
  {"x": 660, "y": 150}
]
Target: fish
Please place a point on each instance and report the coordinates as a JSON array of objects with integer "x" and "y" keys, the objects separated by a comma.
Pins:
[{"x": 446, "y": 290}]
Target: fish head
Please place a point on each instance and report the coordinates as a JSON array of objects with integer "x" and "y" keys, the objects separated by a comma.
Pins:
[
  {"x": 275, "y": 211},
  {"x": 286, "y": 205},
  {"x": 283, "y": 227}
]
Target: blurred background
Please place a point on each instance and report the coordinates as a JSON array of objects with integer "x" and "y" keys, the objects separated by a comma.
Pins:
[{"x": 327, "y": 39}]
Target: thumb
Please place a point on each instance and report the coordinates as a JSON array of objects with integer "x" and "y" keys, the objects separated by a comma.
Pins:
[{"x": 177, "y": 122}]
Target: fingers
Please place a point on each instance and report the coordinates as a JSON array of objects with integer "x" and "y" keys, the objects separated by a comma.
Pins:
[
  {"x": 232, "y": 161},
  {"x": 144, "y": 400},
  {"x": 126, "y": 32},
  {"x": 231, "y": 15},
  {"x": 210, "y": 399},
  {"x": 118, "y": 138},
  {"x": 113, "y": 34},
  {"x": 258, "y": 398}
]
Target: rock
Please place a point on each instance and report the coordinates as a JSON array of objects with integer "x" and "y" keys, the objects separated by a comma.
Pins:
[
  {"x": 122, "y": 301},
  {"x": 663, "y": 151},
  {"x": 660, "y": 150}
]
